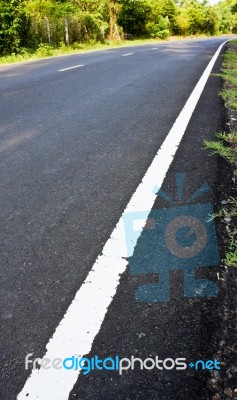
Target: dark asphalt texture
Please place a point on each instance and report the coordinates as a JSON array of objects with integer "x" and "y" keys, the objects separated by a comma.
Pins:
[{"x": 74, "y": 147}]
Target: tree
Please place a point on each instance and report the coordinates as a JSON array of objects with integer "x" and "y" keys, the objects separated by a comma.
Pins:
[
  {"x": 227, "y": 16},
  {"x": 10, "y": 20},
  {"x": 134, "y": 16},
  {"x": 41, "y": 24}
]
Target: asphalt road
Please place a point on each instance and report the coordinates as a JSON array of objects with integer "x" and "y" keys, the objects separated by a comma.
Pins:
[{"x": 75, "y": 144}]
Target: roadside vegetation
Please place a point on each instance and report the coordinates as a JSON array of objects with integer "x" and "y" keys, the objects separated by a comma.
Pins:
[
  {"x": 226, "y": 147},
  {"x": 44, "y": 50},
  {"x": 42, "y": 28}
]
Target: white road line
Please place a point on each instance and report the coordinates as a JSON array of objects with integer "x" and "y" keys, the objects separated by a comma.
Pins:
[
  {"x": 154, "y": 48},
  {"x": 82, "y": 322},
  {"x": 128, "y": 54},
  {"x": 66, "y": 69}
]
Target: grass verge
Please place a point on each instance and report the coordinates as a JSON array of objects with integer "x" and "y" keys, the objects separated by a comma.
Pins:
[
  {"x": 226, "y": 147},
  {"x": 44, "y": 50}
]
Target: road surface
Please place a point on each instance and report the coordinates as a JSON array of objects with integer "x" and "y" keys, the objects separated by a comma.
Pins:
[{"x": 78, "y": 133}]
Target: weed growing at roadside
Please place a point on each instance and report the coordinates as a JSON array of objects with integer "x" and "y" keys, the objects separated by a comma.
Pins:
[
  {"x": 229, "y": 74},
  {"x": 226, "y": 147},
  {"x": 221, "y": 147}
]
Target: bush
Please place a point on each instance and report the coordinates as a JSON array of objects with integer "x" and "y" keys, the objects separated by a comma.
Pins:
[
  {"x": 44, "y": 50},
  {"x": 160, "y": 29},
  {"x": 133, "y": 16}
]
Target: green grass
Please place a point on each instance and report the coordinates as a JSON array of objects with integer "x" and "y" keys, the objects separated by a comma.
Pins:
[
  {"x": 45, "y": 50},
  {"x": 228, "y": 214},
  {"x": 230, "y": 259},
  {"x": 226, "y": 147},
  {"x": 230, "y": 77},
  {"x": 230, "y": 97},
  {"x": 221, "y": 146},
  {"x": 229, "y": 74},
  {"x": 227, "y": 137}
]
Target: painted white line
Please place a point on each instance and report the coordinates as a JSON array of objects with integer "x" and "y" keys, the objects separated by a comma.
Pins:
[
  {"x": 154, "y": 48},
  {"x": 66, "y": 69},
  {"x": 12, "y": 64},
  {"x": 128, "y": 54},
  {"x": 81, "y": 323}
]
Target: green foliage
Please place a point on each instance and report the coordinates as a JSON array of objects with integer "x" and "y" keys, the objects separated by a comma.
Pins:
[
  {"x": 133, "y": 16},
  {"x": 30, "y": 23},
  {"x": 159, "y": 29},
  {"x": 234, "y": 8},
  {"x": 230, "y": 259},
  {"x": 10, "y": 20},
  {"x": 183, "y": 24},
  {"x": 227, "y": 16},
  {"x": 228, "y": 214},
  {"x": 44, "y": 50},
  {"x": 229, "y": 74},
  {"x": 230, "y": 97},
  {"x": 163, "y": 9},
  {"x": 226, "y": 147},
  {"x": 228, "y": 137},
  {"x": 218, "y": 147}
]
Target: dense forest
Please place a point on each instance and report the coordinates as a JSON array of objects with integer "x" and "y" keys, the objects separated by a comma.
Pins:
[{"x": 29, "y": 24}]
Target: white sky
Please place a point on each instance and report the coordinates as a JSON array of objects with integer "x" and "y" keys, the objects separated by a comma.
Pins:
[{"x": 213, "y": 2}]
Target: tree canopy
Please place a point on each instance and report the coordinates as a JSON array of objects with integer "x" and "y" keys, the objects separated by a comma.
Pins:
[{"x": 28, "y": 24}]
